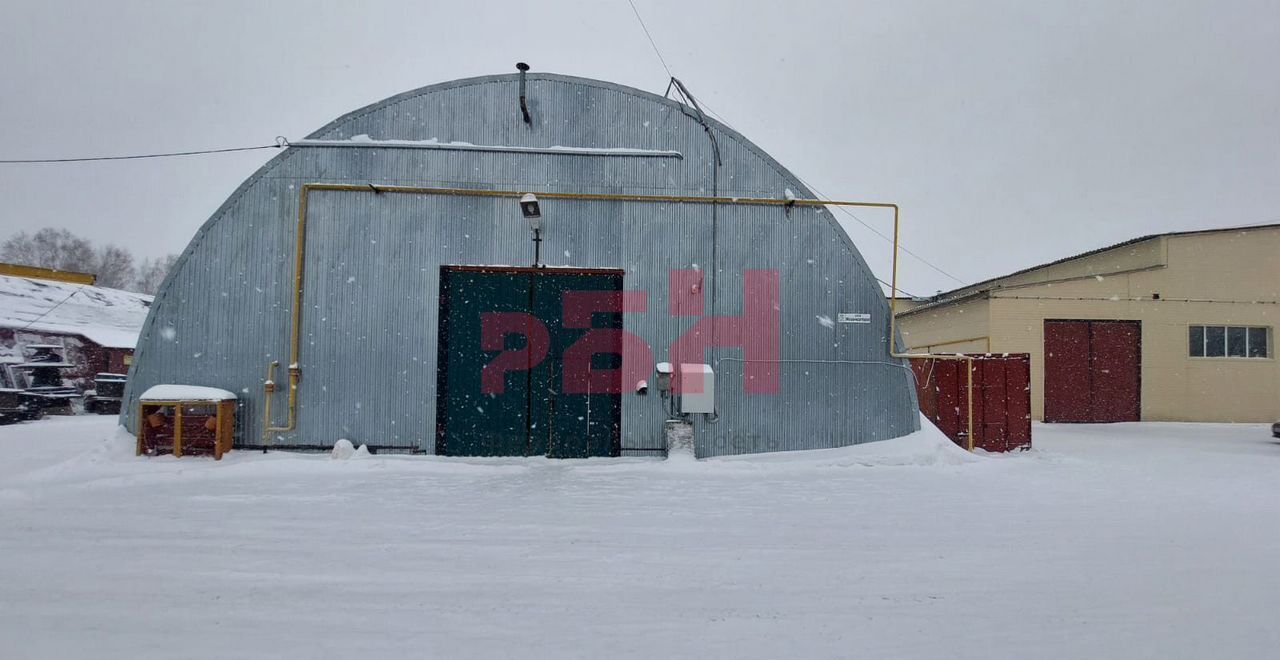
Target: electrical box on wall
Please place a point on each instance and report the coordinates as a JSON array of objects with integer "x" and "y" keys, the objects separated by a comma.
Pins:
[{"x": 697, "y": 388}]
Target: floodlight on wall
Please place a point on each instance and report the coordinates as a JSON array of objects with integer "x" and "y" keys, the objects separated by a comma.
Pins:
[{"x": 533, "y": 213}]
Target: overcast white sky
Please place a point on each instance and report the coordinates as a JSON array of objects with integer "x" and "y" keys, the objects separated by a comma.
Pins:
[{"x": 1010, "y": 132}]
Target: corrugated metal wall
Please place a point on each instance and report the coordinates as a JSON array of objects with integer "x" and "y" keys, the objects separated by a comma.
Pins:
[{"x": 368, "y": 352}]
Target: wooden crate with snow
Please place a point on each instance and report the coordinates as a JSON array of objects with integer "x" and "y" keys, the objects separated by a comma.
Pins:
[{"x": 186, "y": 420}]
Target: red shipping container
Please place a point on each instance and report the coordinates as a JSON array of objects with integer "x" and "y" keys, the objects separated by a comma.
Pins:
[{"x": 1001, "y": 402}]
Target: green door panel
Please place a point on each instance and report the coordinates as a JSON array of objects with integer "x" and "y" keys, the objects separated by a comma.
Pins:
[
  {"x": 583, "y": 422},
  {"x": 537, "y": 413},
  {"x": 470, "y": 421}
]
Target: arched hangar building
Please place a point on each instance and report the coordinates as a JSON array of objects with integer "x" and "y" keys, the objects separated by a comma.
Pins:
[{"x": 377, "y": 282}]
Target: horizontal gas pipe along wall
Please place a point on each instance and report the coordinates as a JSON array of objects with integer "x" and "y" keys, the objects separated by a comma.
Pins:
[{"x": 295, "y": 372}]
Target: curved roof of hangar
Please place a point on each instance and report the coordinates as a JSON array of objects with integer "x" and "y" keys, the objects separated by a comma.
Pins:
[
  {"x": 791, "y": 180},
  {"x": 639, "y": 94},
  {"x": 800, "y": 189}
]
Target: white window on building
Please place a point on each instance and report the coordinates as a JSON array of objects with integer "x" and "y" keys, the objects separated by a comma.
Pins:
[{"x": 1236, "y": 341}]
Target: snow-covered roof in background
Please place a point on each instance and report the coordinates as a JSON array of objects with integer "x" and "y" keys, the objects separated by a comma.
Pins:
[{"x": 108, "y": 317}]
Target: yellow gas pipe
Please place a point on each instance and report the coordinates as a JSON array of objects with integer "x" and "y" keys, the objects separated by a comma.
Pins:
[
  {"x": 295, "y": 372},
  {"x": 893, "y": 318}
]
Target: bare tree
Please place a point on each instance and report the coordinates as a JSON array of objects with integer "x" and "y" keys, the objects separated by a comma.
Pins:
[
  {"x": 19, "y": 249},
  {"x": 58, "y": 249},
  {"x": 151, "y": 273},
  {"x": 114, "y": 267}
]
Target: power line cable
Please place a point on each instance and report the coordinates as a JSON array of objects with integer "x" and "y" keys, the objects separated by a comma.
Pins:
[
  {"x": 881, "y": 235},
  {"x": 901, "y": 291},
  {"x": 996, "y": 294},
  {"x": 47, "y": 311},
  {"x": 849, "y": 213},
  {"x": 281, "y": 143},
  {"x": 651, "y": 41},
  {"x": 690, "y": 101}
]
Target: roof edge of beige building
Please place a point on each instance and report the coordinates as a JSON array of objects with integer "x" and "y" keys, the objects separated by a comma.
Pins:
[{"x": 1202, "y": 307}]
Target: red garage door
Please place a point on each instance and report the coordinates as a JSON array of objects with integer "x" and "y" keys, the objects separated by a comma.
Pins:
[{"x": 1092, "y": 371}]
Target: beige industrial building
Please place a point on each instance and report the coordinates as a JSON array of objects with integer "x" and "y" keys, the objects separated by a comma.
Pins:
[{"x": 1168, "y": 327}]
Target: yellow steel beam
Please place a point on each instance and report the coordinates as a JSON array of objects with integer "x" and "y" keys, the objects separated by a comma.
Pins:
[{"x": 72, "y": 277}]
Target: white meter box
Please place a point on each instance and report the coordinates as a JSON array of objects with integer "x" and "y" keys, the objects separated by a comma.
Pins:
[{"x": 697, "y": 388}]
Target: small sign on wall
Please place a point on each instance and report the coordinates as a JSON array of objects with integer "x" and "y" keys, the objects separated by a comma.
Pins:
[{"x": 853, "y": 317}]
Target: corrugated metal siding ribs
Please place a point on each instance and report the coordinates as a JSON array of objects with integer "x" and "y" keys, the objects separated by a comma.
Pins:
[{"x": 368, "y": 352}]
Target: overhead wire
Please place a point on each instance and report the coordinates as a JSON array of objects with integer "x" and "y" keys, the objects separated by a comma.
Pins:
[
  {"x": 651, "y": 41},
  {"x": 48, "y": 311},
  {"x": 996, "y": 294},
  {"x": 880, "y": 234},
  {"x": 849, "y": 213},
  {"x": 703, "y": 105},
  {"x": 690, "y": 101},
  {"x": 281, "y": 142}
]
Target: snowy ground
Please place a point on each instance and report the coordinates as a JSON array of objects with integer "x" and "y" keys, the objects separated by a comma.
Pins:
[{"x": 1121, "y": 541}]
